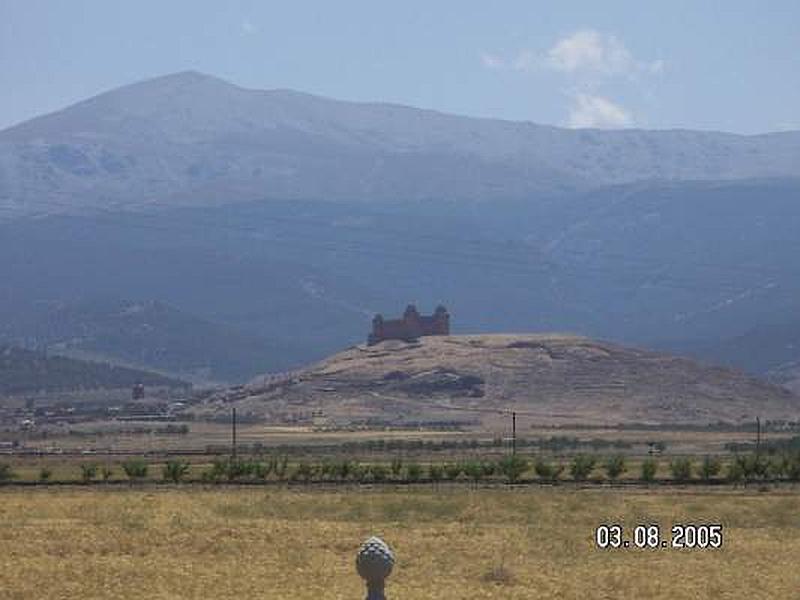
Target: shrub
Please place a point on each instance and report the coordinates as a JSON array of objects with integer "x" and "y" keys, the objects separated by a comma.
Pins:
[
  {"x": 413, "y": 472},
  {"x": 681, "y": 469},
  {"x": 793, "y": 468},
  {"x": 453, "y": 470},
  {"x": 397, "y": 467},
  {"x": 45, "y": 473},
  {"x": 175, "y": 471},
  {"x": 261, "y": 470},
  {"x": 710, "y": 468},
  {"x": 547, "y": 471},
  {"x": 327, "y": 469},
  {"x": 735, "y": 472},
  {"x": 135, "y": 468},
  {"x": 237, "y": 469},
  {"x": 615, "y": 466},
  {"x": 88, "y": 471},
  {"x": 436, "y": 473},
  {"x": 780, "y": 466},
  {"x": 649, "y": 469},
  {"x": 378, "y": 473},
  {"x": 6, "y": 472},
  {"x": 513, "y": 467},
  {"x": 581, "y": 467},
  {"x": 217, "y": 472},
  {"x": 106, "y": 472},
  {"x": 344, "y": 470},
  {"x": 281, "y": 467},
  {"x": 304, "y": 471},
  {"x": 753, "y": 466},
  {"x": 474, "y": 470}
]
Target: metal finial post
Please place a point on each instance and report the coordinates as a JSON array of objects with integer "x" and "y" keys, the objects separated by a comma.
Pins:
[{"x": 374, "y": 563}]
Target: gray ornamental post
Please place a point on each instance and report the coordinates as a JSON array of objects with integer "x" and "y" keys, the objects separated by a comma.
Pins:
[{"x": 374, "y": 564}]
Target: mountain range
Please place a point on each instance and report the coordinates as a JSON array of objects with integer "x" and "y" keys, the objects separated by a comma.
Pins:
[
  {"x": 260, "y": 230},
  {"x": 189, "y": 138}
]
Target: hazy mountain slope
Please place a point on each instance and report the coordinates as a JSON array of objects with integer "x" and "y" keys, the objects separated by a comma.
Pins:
[
  {"x": 150, "y": 334},
  {"x": 687, "y": 260},
  {"x": 24, "y": 371},
  {"x": 189, "y": 139},
  {"x": 657, "y": 263},
  {"x": 551, "y": 378}
]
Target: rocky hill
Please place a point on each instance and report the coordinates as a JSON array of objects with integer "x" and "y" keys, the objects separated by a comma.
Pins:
[{"x": 550, "y": 379}]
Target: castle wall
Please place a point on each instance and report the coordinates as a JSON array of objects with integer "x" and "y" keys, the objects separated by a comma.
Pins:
[{"x": 411, "y": 326}]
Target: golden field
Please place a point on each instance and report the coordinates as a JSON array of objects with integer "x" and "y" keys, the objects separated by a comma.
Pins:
[{"x": 255, "y": 543}]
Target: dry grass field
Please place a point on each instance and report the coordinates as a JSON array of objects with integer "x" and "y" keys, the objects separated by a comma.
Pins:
[{"x": 248, "y": 543}]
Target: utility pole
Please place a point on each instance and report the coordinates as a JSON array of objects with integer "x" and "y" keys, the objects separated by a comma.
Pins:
[
  {"x": 513, "y": 433},
  {"x": 233, "y": 433}
]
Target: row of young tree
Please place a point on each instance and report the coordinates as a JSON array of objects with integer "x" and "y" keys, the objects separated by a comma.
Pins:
[{"x": 512, "y": 469}]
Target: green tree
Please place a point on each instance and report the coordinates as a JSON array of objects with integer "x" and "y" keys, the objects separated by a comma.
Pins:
[
  {"x": 735, "y": 472},
  {"x": 436, "y": 473},
  {"x": 304, "y": 471},
  {"x": 681, "y": 469},
  {"x": 261, "y": 470},
  {"x": 135, "y": 468},
  {"x": 615, "y": 466},
  {"x": 649, "y": 469},
  {"x": 547, "y": 471},
  {"x": 474, "y": 470},
  {"x": 6, "y": 472},
  {"x": 396, "y": 467},
  {"x": 453, "y": 470},
  {"x": 513, "y": 467},
  {"x": 282, "y": 467},
  {"x": 710, "y": 468},
  {"x": 175, "y": 471},
  {"x": 378, "y": 473},
  {"x": 88, "y": 471},
  {"x": 581, "y": 467},
  {"x": 413, "y": 472},
  {"x": 344, "y": 470},
  {"x": 752, "y": 466},
  {"x": 793, "y": 467}
]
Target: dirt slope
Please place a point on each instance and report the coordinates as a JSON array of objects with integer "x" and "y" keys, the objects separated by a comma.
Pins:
[{"x": 551, "y": 379}]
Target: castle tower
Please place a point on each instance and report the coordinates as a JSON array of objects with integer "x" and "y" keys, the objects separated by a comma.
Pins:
[{"x": 410, "y": 326}]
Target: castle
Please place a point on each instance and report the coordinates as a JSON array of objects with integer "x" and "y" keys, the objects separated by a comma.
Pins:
[{"x": 411, "y": 326}]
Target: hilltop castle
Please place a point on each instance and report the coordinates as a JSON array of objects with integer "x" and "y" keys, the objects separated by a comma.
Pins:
[{"x": 411, "y": 326}]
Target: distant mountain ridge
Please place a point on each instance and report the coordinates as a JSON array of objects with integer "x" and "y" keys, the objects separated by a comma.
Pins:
[{"x": 191, "y": 139}]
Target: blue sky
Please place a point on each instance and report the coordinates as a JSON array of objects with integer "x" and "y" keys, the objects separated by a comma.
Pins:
[{"x": 731, "y": 66}]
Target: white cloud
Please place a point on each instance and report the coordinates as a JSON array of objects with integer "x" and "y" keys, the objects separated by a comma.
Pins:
[
  {"x": 599, "y": 112},
  {"x": 590, "y": 63},
  {"x": 584, "y": 52},
  {"x": 247, "y": 28},
  {"x": 492, "y": 61},
  {"x": 590, "y": 51}
]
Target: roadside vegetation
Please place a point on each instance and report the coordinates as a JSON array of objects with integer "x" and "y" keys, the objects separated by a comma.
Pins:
[{"x": 515, "y": 469}]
